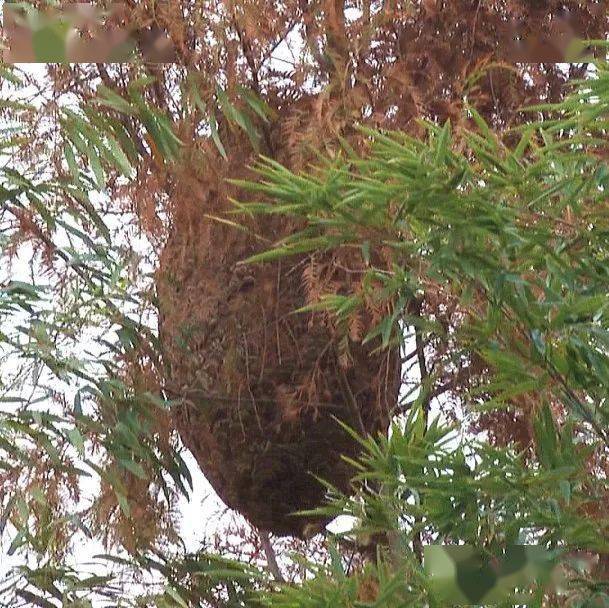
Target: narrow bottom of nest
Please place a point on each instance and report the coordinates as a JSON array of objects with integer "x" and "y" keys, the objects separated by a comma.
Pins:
[
  {"x": 267, "y": 471},
  {"x": 261, "y": 386}
]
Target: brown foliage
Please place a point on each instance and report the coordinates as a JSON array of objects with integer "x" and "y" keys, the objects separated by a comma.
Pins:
[{"x": 258, "y": 383}]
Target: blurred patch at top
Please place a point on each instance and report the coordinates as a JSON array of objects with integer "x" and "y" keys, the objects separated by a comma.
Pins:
[{"x": 80, "y": 33}]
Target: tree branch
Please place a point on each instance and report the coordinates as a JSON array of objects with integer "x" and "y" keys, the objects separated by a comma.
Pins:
[{"x": 271, "y": 558}]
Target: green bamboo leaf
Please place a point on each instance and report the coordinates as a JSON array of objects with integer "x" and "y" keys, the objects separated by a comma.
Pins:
[
  {"x": 34, "y": 600},
  {"x": 76, "y": 439},
  {"x": 489, "y": 136},
  {"x": 134, "y": 467},
  {"x": 215, "y": 137},
  {"x": 71, "y": 160},
  {"x": 125, "y": 140},
  {"x": 581, "y": 307},
  {"x": 96, "y": 165},
  {"x": 108, "y": 97},
  {"x": 121, "y": 161},
  {"x": 173, "y": 593},
  {"x": 260, "y": 107},
  {"x": 281, "y": 251},
  {"x": 8, "y": 73},
  {"x": 523, "y": 143},
  {"x": 546, "y": 438},
  {"x": 234, "y": 115},
  {"x": 123, "y": 503}
]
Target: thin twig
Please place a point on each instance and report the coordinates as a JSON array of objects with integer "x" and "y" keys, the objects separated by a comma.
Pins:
[
  {"x": 417, "y": 542},
  {"x": 271, "y": 558}
]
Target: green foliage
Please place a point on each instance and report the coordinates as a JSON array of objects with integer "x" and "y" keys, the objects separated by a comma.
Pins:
[
  {"x": 517, "y": 232},
  {"x": 67, "y": 414},
  {"x": 479, "y": 218}
]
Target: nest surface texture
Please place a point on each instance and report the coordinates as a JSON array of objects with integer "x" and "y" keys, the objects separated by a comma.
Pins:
[{"x": 260, "y": 386}]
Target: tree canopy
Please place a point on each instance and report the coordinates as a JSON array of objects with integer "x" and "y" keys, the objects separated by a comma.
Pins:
[{"x": 460, "y": 229}]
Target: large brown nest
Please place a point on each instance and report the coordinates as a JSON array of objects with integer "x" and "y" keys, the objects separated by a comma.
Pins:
[{"x": 262, "y": 387}]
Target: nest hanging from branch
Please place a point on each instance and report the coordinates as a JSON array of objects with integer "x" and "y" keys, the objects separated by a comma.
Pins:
[{"x": 261, "y": 387}]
